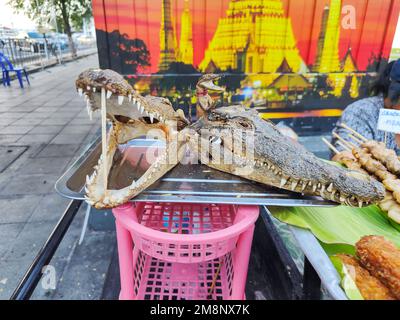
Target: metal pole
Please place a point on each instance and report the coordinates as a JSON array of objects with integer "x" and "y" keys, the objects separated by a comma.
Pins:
[{"x": 32, "y": 277}]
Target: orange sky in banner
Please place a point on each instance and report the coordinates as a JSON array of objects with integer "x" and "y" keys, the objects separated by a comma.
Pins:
[{"x": 141, "y": 19}]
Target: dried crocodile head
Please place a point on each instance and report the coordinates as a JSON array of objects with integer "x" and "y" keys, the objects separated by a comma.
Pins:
[
  {"x": 253, "y": 148},
  {"x": 132, "y": 116},
  {"x": 123, "y": 102},
  {"x": 268, "y": 157},
  {"x": 204, "y": 100}
]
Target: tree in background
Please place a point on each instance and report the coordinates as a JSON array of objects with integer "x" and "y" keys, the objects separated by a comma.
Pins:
[
  {"x": 67, "y": 13},
  {"x": 120, "y": 53}
]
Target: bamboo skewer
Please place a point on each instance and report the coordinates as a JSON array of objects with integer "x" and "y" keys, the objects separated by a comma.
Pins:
[
  {"x": 346, "y": 148},
  {"x": 211, "y": 291},
  {"x": 347, "y": 143},
  {"x": 355, "y": 139},
  {"x": 343, "y": 125},
  {"x": 104, "y": 138},
  {"x": 330, "y": 146}
]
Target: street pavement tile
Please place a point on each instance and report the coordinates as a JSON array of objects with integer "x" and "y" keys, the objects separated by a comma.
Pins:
[
  {"x": 28, "y": 184},
  {"x": 68, "y": 138},
  {"x": 44, "y": 165},
  {"x": 11, "y": 115},
  {"x": 18, "y": 209},
  {"x": 16, "y": 129},
  {"x": 44, "y": 129},
  {"x": 57, "y": 150},
  {"x": 50, "y": 208},
  {"x": 55, "y": 121},
  {"x": 36, "y": 138},
  {"x": 7, "y": 139}
]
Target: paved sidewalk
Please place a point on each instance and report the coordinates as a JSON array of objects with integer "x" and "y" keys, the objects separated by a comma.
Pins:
[{"x": 42, "y": 130}]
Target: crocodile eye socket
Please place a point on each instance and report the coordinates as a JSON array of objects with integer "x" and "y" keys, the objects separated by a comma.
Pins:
[{"x": 148, "y": 121}]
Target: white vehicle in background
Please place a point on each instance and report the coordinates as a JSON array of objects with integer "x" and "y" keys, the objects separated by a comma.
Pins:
[
  {"x": 81, "y": 39},
  {"x": 7, "y": 33}
]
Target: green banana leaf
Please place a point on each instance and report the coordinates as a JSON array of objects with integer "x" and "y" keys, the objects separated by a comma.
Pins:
[
  {"x": 338, "y": 229},
  {"x": 339, "y": 225},
  {"x": 347, "y": 282}
]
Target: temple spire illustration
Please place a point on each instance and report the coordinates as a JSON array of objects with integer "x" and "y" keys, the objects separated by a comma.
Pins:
[
  {"x": 186, "y": 40},
  {"x": 254, "y": 37},
  {"x": 167, "y": 37},
  {"x": 328, "y": 43}
]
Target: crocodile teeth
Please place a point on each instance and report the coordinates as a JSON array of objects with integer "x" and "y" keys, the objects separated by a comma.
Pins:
[
  {"x": 87, "y": 179},
  {"x": 342, "y": 199},
  {"x": 129, "y": 97},
  {"x": 141, "y": 109},
  {"x": 86, "y": 190},
  {"x": 120, "y": 99},
  {"x": 94, "y": 89},
  {"x": 333, "y": 196},
  {"x": 283, "y": 182},
  {"x": 80, "y": 91},
  {"x": 330, "y": 188},
  {"x": 304, "y": 186},
  {"x": 109, "y": 93},
  {"x": 294, "y": 185},
  {"x": 360, "y": 204},
  {"x": 314, "y": 188},
  {"x": 151, "y": 118}
]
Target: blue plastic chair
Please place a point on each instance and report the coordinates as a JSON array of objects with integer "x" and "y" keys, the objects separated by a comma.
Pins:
[{"x": 8, "y": 67}]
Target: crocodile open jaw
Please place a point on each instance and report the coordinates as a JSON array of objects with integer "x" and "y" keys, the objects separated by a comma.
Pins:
[{"x": 269, "y": 158}]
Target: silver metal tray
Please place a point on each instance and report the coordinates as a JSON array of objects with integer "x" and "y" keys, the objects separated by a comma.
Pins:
[{"x": 185, "y": 183}]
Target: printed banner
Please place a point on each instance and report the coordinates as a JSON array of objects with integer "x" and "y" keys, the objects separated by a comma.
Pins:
[{"x": 290, "y": 59}]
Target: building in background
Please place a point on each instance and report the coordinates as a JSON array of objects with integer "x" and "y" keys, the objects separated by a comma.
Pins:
[
  {"x": 186, "y": 39},
  {"x": 168, "y": 44},
  {"x": 290, "y": 55}
]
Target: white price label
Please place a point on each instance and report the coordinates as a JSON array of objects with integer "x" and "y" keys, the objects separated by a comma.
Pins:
[{"x": 389, "y": 120}]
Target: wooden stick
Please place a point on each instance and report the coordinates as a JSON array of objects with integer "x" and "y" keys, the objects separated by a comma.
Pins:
[
  {"x": 348, "y": 144},
  {"x": 330, "y": 146},
  {"x": 343, "y": 125},
  {"x": 356, "y": 139},
  {"x": 210, "y": 292},
  {"x": 104, "y": 137},
  {"x": 343, "y": 146}
]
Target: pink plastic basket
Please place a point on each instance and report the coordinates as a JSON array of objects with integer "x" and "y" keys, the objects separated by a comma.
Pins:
[
  {"x": 187, "y": 233},
  {"x": 184, "y": 251},
  {"x": 155, "y": 279}
]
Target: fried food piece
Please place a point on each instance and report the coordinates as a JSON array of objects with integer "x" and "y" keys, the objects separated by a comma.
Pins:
[
  {"x": 387, "y": 156},
  {"x": 347, "y": 159},
  {"x": 390, "y": 206},
  {"x": 393, "y": 186},
  {"x": 382, "y": 259},
  {"x": 369, "y": 286}
]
